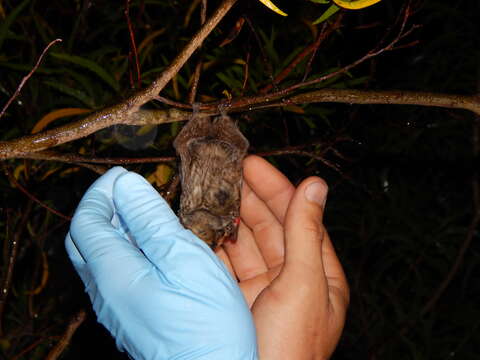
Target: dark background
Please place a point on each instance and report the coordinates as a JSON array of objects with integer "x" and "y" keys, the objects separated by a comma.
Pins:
[{"x": 402, "y": 200}]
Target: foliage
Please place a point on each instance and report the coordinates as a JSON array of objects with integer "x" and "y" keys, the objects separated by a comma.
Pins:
[{"x": 399, "y": 209}]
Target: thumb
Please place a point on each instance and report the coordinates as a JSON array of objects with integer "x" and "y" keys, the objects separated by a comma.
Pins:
[{"x": 304, "y": 231}]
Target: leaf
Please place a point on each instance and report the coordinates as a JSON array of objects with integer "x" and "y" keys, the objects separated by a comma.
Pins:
[
  {"x": 234, "y": 32},
  {"x": 75, "y": 93},
  {"x": 355, "y": 4},
  {"x": 150, "y": 38},
  {"x": 90, "y": 65},
  {"x": 327, "y": 14},
  {"x": 273, "y": 7},
  {"x": 27, "y": 68},
  {"x": 161, "y": 175},
  {"x": 57, "y": 114},
  {"x": 4, "y": 26}
]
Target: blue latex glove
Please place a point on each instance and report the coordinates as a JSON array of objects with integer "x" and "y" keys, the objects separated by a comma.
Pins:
[{"x": 159, "y": 290}]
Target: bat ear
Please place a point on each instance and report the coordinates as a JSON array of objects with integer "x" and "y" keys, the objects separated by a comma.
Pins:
[
  {"x": 226, "y": 130},
  {"x": 197, "y": 126}
]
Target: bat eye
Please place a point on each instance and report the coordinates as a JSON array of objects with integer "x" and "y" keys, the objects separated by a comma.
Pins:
[{"x": 221, "y": 196}]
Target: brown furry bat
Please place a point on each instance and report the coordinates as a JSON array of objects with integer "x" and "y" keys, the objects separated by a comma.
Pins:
[{"x": 211, "y": 154}]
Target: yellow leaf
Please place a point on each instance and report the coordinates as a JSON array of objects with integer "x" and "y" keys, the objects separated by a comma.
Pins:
[
  {"x": 69, "y": 171},
  {"x": 227, "y": 94},
  {"x": 49, "y": 172},
  {"x": 355, "y": 4},
  {"x": 57, "y": 114},
  {"x": 18, "y": 170},
  {"x": 161, "y": 175},
  {"x": 43, "y": 280},
  {"x": 273, "y": 7}
]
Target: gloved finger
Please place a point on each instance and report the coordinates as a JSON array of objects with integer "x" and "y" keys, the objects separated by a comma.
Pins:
[
  {"x": 175, "y": 251},
  {"x": 148, "y": 216},
  {"x": 94, "y": 214},
  {"x": 73, "y": 252},
  {"x": 77, "y": 260},
  {"x": 105, "y": 248}
]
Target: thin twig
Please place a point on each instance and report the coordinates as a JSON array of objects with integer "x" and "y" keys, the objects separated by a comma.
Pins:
[
  {"x": 198, "y": 68},
  {"x": 85, "y": 160},
  {"x": 263, "y": 53},
  {"x": 64, "y": 341},
  {"x": 12, "y": 259},
  {"x": 301, "y": 153},
  {"x": 456, "y": 264},
  {"x": 34, "y": 198},
  {"x": 25, "y": 79},
  {"x": 30, "y": 347},
  {"x": 133, "y": 45},
  {"x": 369, "y": 55},
  {"x": 174, "y": 103},
  {"x": 324, "y": 34},
  {"x": 316, "y": 45}
]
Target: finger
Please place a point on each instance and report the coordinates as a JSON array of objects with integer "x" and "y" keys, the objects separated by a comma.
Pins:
[
  {"x": 245, "y": 256},
  {"x": 156, "y": 228},
  {"x": 73, "y": 253},
  {"x": 222, "y": 255},
  {"x": 93, "y": 216},
  {"x": 264, "y": 225},
  {"x": 309, "y": 251},
  {"x": 269, "y": 184},
  {"x": 304, "y": 231},
  {"x": 98, "y": 248},
  {"x": 339, "y": 291},
  {"x": 253, "y": 287}
]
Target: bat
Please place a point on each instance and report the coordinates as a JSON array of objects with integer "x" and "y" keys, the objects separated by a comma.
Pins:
[{"x": 211, "y": 153}]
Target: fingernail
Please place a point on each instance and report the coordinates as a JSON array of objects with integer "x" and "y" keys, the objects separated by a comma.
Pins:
[{"x": 315, "y": 192}]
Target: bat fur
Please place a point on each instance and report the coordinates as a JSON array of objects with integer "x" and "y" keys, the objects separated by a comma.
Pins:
[{"x": 211, "y": 153}]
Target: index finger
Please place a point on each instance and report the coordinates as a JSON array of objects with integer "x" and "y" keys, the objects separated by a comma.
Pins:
[
  {"x": 269, "y": 184},
  {"x": 96, "y": 207}
]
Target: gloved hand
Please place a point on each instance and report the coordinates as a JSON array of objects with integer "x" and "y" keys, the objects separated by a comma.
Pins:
[{"x": 159, "y": 290}]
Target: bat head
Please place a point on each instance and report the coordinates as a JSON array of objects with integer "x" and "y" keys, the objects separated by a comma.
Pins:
[{"x": 212, "y": 229}]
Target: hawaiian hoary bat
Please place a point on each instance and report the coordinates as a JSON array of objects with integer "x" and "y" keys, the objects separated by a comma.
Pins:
[{"x": 211, "y": 153}]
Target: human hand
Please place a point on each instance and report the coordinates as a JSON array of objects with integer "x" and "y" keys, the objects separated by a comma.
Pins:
[
  {"x": 159, "y": 290},
  {"x": 287, "y": 266}
]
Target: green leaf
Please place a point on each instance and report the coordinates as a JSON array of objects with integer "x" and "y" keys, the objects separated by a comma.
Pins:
[
  {"x": 9, "y": 20},
  {"x": 27, "y": 68},
  {"x": 75, "y": 93},
  {"x": 90, "y": 65},
  {"x": 330, "y": 11}
]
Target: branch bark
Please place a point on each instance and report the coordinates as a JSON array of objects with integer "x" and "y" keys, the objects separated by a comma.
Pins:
[
  {"x": 105, "y": 118},
  {"x": 126, "y": 112}
]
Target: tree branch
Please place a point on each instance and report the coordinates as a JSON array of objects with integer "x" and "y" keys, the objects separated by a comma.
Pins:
[
  {"x": 32, "y": 143},
  {"x": 127, "y": 112}
]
